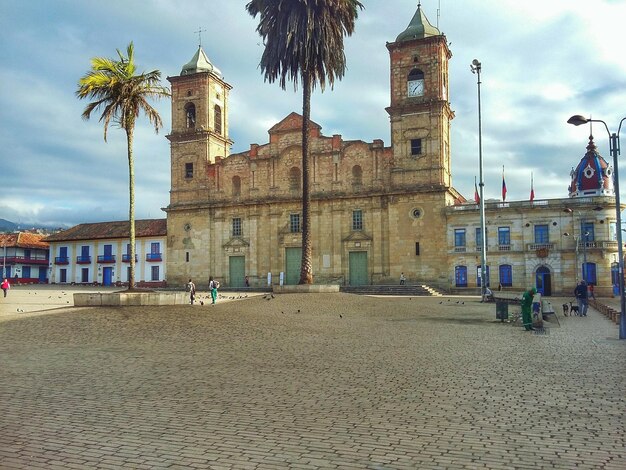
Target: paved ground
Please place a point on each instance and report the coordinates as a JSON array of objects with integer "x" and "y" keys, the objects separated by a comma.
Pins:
[{"x": 306, "y": 381}]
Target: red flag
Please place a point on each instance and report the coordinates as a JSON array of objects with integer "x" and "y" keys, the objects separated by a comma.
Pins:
[
  {"x": 476, "y": 195},
  {"x": 532, "y": 190},
  {"x": 503, "y": 186}
]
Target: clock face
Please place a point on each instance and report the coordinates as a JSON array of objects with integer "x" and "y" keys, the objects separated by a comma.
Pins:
[{"x": 416, "y": 87}]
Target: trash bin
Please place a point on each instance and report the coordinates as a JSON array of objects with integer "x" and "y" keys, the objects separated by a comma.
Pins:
[{"x": 502, "y": 310}]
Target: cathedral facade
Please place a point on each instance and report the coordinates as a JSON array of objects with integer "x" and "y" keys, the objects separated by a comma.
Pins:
[{"x": 377, "y": 211}]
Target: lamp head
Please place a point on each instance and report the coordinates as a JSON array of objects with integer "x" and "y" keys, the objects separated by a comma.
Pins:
[{"x": 578, "y": 120}]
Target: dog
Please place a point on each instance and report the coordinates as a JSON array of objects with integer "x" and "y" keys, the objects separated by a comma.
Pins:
[
  {"x": 565, "y": 309},
  {"x": 573, "y": 309}
]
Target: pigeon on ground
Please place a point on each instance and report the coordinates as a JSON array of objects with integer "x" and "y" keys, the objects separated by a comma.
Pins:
[
  {"x": 340, "y": 315},
  {"x": 272, "y": 296},
  {"x": 201, "y": 302}
]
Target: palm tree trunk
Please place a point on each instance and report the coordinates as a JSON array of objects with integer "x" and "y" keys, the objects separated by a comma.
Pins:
[
  {"x": 306, "y": 269},
  {"x": 131, "y": 207}
]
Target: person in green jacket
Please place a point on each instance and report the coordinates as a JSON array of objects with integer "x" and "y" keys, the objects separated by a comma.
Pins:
[{"x": 527, "y": 304}]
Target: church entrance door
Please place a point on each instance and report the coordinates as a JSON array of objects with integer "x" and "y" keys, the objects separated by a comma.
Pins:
[
  {"x": 358, "y": 268},
  {"x": 293, "y": 258},
  {"x": 236, "y": 271}
]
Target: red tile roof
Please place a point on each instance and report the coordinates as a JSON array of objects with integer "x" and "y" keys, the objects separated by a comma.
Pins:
[
  {"x": 117, "y": 229},
  {"x": 24, "y": 240}
]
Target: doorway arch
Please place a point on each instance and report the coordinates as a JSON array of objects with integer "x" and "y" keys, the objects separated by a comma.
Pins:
[{"x": 543, "y": 280}]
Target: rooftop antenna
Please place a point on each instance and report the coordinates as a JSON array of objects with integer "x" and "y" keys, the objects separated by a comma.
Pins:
[{"x": 199, "y": 33}]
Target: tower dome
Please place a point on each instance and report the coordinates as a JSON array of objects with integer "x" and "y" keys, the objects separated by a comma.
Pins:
[
  {"x": 200, "y": 63},
  {"x": 418, "y": 28},
  {"x": 593, "y": 176}
]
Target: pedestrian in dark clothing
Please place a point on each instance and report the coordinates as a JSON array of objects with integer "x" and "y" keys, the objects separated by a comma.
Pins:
[
  {"x": 582, "y": 296},
  {"x": 527, "y": 303}
]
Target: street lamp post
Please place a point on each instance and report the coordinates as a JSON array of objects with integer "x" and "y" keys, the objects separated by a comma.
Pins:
[
  {"x": 614, "y": 149},
  {"x": 476, "y": 68}
]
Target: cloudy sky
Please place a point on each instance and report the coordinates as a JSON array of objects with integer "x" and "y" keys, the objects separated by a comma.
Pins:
[{"x": 542, "y": 61}]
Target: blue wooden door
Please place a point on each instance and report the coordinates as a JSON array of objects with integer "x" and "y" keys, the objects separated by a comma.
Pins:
[
  {"x": 107, "y": 276},
  {"x": 42, "y": 274}
]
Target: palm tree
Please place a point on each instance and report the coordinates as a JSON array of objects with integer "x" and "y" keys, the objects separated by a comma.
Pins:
[
  {"x": 304, "y": 42},
  {"x": 113, "y": 86}
]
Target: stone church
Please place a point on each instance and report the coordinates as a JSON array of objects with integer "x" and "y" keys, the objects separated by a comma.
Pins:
[{"x": 377, "y": 211}]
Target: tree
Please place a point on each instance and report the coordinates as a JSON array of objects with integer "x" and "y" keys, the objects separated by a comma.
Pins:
[
  {"x": 113, "y": 86},
  {"x": 304, "y": 42}
]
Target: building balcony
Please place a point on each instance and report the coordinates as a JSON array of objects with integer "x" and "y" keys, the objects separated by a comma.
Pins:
[
  {"x": 598, "y": 245},
  {"x": 154, "y": 257},
  {"x": 540, "y": 246},
  {"x": 26, "y": 260},
  {"x": 62, "y": 260},
  {"x": 106, "y": 258},
  {"x": 459, "y": 249},
  {"x": 504, "y": 247},
  {"x": 83, "y": 260},
  {"x": 126, "y": 258}
]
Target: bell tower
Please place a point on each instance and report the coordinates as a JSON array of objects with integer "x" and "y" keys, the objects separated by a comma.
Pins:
[
  {"x": 199, "y": 134},
  {"x": 420, "y": 112}
]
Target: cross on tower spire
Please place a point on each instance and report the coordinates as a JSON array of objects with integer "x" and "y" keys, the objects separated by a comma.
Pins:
[{"x": 199, "y": 33}]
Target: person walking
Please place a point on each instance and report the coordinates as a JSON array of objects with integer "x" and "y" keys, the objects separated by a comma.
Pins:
[
  {"x": 582, "y": 296},
  {"x": 591, "y": 293},
  {"x": 191, "y": 288},
  {"x": 213, "y": 286},
  {"x": 527, "y": 304},
  {"x": 5, "y": 286}
]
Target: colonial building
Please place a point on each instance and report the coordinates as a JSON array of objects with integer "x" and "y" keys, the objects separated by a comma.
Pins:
[
  {"x": 100, "y": 254},
  {"x": 377, "y": 211},
  {"x": 24, "y": 257},
  {"x": 549, "y": 244}
]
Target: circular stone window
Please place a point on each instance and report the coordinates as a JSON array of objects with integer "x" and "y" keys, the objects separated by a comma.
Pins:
[
  {"x": 187, "y": 227},
  {"x": 416, "y": 213}
]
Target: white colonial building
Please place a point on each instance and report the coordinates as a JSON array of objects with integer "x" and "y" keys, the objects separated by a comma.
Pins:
[{"x": 99, "y": 254}]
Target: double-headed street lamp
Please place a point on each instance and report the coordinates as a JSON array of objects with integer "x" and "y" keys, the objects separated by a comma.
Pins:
[
  {"x": 614, "y": 149},
  {"x": 476, "y": 68}
]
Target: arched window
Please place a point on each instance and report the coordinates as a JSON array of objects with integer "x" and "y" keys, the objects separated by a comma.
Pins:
[
  {"x": 416, "y": 74},
  {"x": 357, "y": 175},
  {"x": 236, "y": 186},
  {"x": 294, "y": 179},
  {"x": 190, "y": 116},
  {"x": 460, "y": 276},
  {"x": 217, "y": 113}
]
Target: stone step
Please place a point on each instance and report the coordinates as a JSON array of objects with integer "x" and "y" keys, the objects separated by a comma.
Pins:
[{"x": 415, "y": 290}]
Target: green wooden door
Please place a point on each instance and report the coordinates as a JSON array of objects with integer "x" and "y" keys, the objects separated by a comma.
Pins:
[
  {"x": 237, "y": 271},
  {"x": 293, "y": 260},
  {"x": 358, "y": 268}
]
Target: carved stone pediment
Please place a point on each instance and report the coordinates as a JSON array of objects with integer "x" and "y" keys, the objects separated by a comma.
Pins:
[{"x": 357, "y": 236}]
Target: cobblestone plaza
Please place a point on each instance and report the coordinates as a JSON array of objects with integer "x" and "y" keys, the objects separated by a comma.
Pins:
[{"x": 306, "y": 381}]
